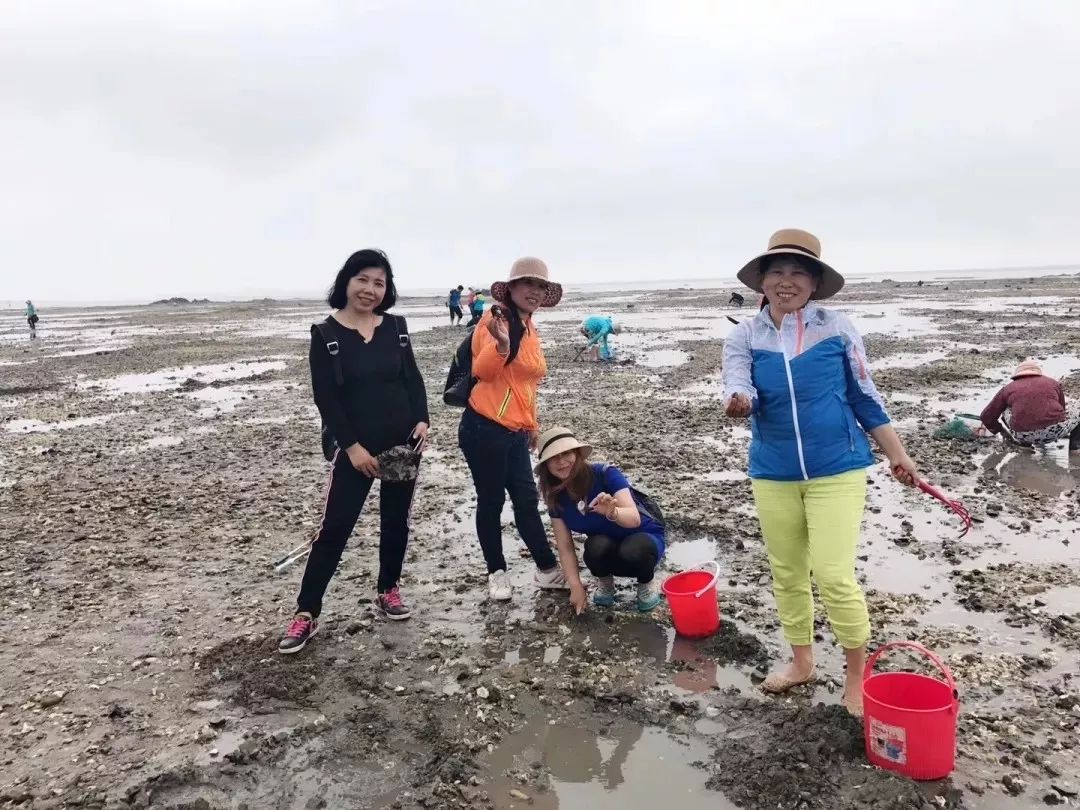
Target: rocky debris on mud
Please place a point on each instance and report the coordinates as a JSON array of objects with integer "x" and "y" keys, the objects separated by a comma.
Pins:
[
  {"x": 1014, "y": 588},
  {"x": 145, "y": 594},
  {"x": 807, "y": 757}
]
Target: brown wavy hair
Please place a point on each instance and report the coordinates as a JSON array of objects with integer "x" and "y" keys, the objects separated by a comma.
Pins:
[{"x": 577, "y": 485}]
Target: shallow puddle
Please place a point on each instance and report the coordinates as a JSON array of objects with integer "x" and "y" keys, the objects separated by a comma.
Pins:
[
  {"x": 664, "y": 358},
  {"x": 905, "y": 360},
  {"x": 170, "y": 379},
  {"x": 156, "y": 443},
  {"x": 37, "y": 426},
  {"x": 622, "y": 767},
  {"x": 1056, "y": 365},
  {"x": 1060, "y": 599},
  {"x": 683, "y": 554},
  {"x": 1051, "y": 471},
  {"x": 725, "y": 475},
  {"x": 227, "y": 398}
]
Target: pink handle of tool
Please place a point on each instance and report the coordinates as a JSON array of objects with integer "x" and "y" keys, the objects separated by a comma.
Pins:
[
  {"x": 712, "y": 582},
  {"x": 868, "y": 670}
]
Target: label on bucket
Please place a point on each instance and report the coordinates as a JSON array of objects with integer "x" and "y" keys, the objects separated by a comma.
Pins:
[{"x": 888, "y": 742}]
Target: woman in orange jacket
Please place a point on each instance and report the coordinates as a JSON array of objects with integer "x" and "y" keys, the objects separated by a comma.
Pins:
[{"x": 500, "y": 425}]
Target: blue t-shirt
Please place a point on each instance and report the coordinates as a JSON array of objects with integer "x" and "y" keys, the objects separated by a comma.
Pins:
[
  {"x": 455, "y": 298},
  {"x": 609, "y": 480}
]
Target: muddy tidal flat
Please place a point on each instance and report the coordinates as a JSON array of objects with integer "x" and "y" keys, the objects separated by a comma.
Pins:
[{"x": 156, "y": 461}]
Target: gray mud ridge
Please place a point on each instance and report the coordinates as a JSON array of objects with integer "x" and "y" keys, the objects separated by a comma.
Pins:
[{"x": 809, "y": 757}]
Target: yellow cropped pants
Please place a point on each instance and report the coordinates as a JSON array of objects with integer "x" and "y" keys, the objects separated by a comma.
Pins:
[{"x": 812, "y": 528}]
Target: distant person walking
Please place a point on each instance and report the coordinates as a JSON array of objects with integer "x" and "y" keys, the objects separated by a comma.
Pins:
[
  {"x": 378, "y": 402},
  {"x": 454, "y": 302},
  {"x": 1038, "y": 413},
  {"x": 32, "y": 318}
]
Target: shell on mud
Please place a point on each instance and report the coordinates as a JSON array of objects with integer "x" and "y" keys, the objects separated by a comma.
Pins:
[{"x": 398, "y": 464}]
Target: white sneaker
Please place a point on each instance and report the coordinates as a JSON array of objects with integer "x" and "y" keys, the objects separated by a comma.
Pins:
[
  {"x": 552, "y": 580},
  {"x": 499, "y": 587}
]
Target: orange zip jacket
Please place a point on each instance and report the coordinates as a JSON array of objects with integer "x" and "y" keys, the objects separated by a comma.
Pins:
[{"x": 507, "y": 393}]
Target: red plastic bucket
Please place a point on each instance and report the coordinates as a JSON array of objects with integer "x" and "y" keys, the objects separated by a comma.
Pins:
[
  {"x": 691, "y": 596},
  {"x": 910, "y": 720}
]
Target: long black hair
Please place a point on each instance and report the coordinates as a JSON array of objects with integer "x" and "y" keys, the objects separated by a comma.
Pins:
[
  {"x": 354, "y": 265},
  {"x": 515, "y": 325}
]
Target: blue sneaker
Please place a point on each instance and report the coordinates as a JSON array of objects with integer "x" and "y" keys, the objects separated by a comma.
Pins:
[
  {"x": 605, "y": 592},
  {"x": 647, "y": 597}
]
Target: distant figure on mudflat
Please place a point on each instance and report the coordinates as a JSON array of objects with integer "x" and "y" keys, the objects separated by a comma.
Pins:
[
  {"x": 736, "y": 300},
  {"x": 454, "y": 303},
  {"x": 476, "y": 308},
  {"x": 1038, "y": 413},
  {"x": 597, "y": 328},
  {"x": 32, "y": 318}
]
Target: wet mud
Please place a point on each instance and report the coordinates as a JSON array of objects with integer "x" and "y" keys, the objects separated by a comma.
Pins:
[{"x": 157, "y": 462}]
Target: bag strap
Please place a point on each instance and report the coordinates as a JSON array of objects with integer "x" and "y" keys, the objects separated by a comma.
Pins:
[
  {"x": 333, "y": 348},
  {"x": 402, "y": 332}
]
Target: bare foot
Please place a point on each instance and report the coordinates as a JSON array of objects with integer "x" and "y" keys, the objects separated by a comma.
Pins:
[
  {"x": 794, "y": 674},
  {"x": 852, "y": 699}
]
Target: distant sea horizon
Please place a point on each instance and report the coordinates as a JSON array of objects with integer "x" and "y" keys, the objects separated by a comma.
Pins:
[{"x": 691, "y": 283}]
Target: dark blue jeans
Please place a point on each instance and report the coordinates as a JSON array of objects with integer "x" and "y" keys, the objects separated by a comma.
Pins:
[{"x": 499, "y": 461}]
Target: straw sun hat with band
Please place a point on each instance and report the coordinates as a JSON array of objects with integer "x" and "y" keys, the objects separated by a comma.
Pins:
[
  {"x": 556, "y": 441},
  {"x": 528, "y": 267},
  {"x": 800, "y": 244}
]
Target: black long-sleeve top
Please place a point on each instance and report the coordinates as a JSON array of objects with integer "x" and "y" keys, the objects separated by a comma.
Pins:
[{"x": 383, "y": 397}]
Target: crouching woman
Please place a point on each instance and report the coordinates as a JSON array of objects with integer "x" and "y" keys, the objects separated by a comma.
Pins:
[{"x": 622, "y": 539}]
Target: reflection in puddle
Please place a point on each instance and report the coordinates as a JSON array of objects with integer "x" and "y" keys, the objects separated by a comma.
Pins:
[
  {"x": 624, "y": 766},
  {"x": 1051, "y": 470},
  {"x": 684, "y": 554},
  {"x": 1056, "y": 366}
]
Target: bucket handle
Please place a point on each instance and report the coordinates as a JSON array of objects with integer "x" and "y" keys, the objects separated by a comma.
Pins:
[
  {"x": 868, "y": 670},
  {"x": 712, "y": 582}
]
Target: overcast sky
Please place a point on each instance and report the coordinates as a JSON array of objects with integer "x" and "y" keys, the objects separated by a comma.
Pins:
[{"x": 209, "y": 147}]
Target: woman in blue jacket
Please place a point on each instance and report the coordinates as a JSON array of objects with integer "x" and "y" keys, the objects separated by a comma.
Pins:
[{"x": 799, "y": 372}]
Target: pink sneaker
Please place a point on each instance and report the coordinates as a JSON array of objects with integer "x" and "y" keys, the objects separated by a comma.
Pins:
[
  {"x": 300, "y": 629},
  {"x": 391, "y": 605}
]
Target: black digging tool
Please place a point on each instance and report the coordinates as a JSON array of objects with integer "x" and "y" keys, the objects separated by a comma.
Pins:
[
  {"x": 733, "y": 320},
  {"x": 580, "y": 352}
]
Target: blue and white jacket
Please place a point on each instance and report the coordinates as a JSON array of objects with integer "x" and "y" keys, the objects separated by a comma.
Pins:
[{"x": 811, "y": 390}]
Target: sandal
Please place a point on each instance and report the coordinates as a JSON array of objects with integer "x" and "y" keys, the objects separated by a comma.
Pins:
[{"x": 777, "y": 684}]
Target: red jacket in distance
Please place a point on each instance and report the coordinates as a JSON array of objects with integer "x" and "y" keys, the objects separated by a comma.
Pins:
[{"x": 1033, "y": 404}]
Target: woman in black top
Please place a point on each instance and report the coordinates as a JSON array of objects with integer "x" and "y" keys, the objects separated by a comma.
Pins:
[{"x": 381, "y": 403}]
